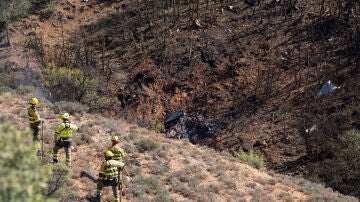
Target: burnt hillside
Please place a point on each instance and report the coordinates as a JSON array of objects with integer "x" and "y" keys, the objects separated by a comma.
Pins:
[{"x": 246, "y": 74}]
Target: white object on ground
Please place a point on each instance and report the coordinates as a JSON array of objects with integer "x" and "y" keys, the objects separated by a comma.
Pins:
[
  {"x": 311, "y": 130},
  {"x": 326, "y": 88}
]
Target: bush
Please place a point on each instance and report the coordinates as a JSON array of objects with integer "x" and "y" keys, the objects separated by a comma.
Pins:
[
  {"x": 22, "y": 176},
  {"x": 144, "y": 186},
  {"x": 147, "y": 144},
  {"x": 68, "y": 83},
  {"x": 342, "y": 172},
  {"x": 250, "y": 158},
  {"x": 98, "y": 102},
  {"x": 155, "y": 125},
  {"x": 57, "y": 180},
  {"x": 164, "y": 196},
  {"x": 6, "y": 98},
  {"x": 69, "y": 107},
  {"x": 25, "y": 89},
  {"x": 74, "y": 84},
  {"x": 47, "y": 13}
]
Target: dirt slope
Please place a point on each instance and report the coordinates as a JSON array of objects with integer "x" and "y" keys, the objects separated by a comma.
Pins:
[
  {"x": 219, "y": 177},
  {"x": 174, "y": 171},
  {"x": 246, "y": 69},
  {"x": 201, "y": 75}
]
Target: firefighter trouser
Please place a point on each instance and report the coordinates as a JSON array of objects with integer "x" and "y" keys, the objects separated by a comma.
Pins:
[
  {"x": 35, "y": 127},
  {"x": 115, "y": 187},
  {"x": 60, "y": 143}
]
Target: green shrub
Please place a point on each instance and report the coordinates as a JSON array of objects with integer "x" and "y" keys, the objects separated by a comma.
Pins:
[
  {"x": 147, "y": 144},
  {"x": 59, "y": 177},
  {"x": 155, "y": 125},
  {"x": 98, "y": 102},
  {"x": 342, "y": 172},
  {"x": 22, "y": 176},
  {"x": 68, "y": 83},
  {"x": 250, "y": 158},
  {"x": 74, "y": 84}
]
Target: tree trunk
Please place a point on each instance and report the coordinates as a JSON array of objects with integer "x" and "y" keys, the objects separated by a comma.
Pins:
[{"x": 7, "y": 34}]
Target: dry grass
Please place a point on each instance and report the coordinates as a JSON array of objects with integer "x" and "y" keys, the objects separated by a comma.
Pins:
[{"x": 174, "y": 171}]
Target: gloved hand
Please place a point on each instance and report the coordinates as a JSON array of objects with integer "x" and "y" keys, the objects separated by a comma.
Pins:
[{"x": 101, "y": 176}]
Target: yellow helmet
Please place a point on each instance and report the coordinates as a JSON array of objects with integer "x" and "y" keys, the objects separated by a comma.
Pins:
[
  {"x": 65, "y": 116},
  {"x": 34, "y": 101},
  {"x": 109, "y": 154},
  {"x": 114, "y": 139}
]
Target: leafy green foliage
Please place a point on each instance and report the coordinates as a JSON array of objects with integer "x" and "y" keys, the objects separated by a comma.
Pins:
[
  {"x": 68, "y": 83},
  {"x": 98, "y": 102},
  {"x": 343, "y": 170},
  {"x": 155, "y": 125},
  {"x": 75, "y": 84},
  {"x": 250, "y": 158},
  {"x": 22, "y": 176}
]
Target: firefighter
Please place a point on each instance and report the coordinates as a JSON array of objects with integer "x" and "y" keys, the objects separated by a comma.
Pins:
[
  {"x": 35, "y": 121},
  {"x": 62, "y": 138},
  {"x": 110, "y": 175},
  {"x": 118, "y": 152}
]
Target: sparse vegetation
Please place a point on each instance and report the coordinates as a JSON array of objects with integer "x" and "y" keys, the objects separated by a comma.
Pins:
[
  {"x": 147, "y": 144},
  {"x": 70, "y": 107},
  {"x": 10, "y": 11},
  {"x": 46, "y": 13},
  {"x": 250, "y": 158},
  {"x": 57, "y": 181}
]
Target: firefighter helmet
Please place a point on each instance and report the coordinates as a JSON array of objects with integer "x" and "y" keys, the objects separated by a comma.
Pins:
[
  {"x": 65, "y": 116},
  {"x": 114, "y": 139},
  {"x": 34, "y": 101}
]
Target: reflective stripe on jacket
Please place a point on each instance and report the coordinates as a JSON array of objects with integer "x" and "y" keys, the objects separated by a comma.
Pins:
[
  {"x": 109, "y": 169},
  {"x": 65, "y": 129},
  {"x": 33, "y": 115},
  {"x": 118, "y": 152}
]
